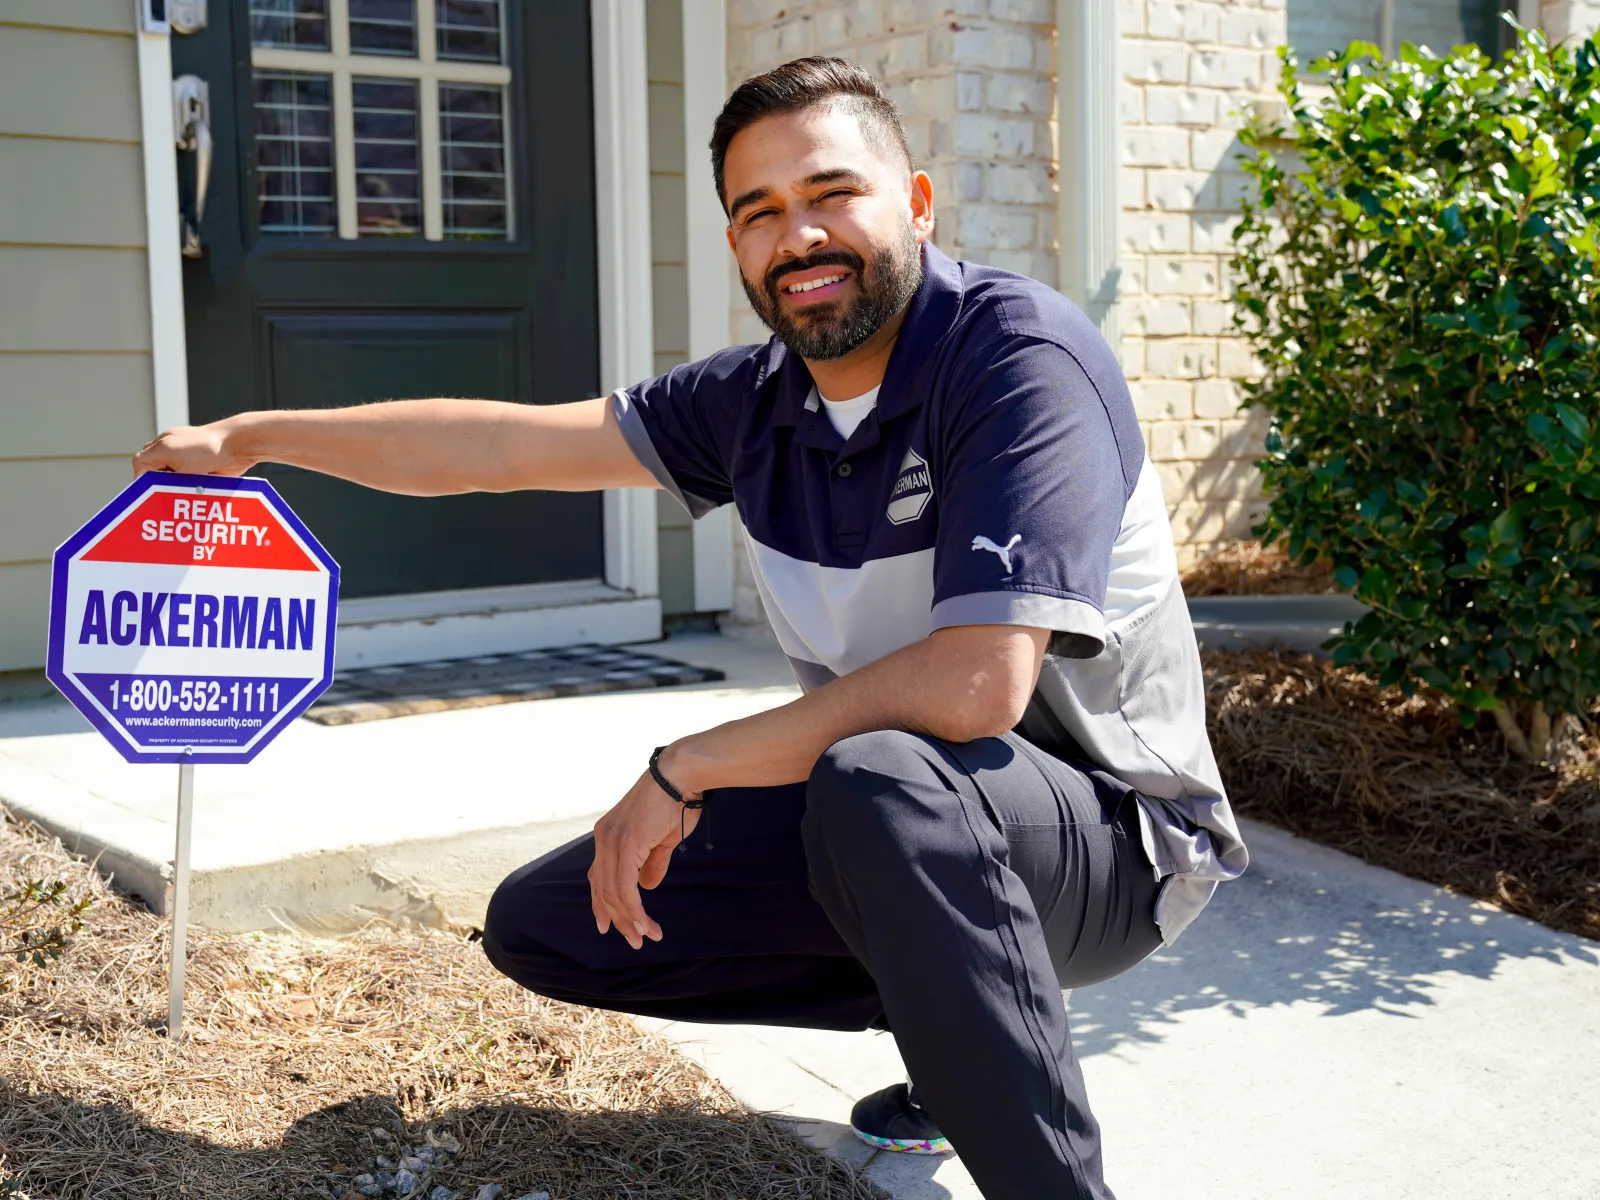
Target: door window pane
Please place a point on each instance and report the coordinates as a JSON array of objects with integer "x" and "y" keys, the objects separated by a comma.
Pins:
[
  {"x": 1319, "y": 26},
  {"x": 383, "y": 27},
  {"x": 388, "y": 195},
  {"x": 469, "y": 30},
  {"x": 473, "y": 160},
  {"x": 297, "y": 24},
  {"x": 1441, "y": 24},
  {"x": 294, "y": 152}
]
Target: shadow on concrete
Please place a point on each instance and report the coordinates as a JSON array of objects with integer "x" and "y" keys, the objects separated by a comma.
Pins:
[
  {"x": 40, "y": 717},
  {"x": 1309, "y": 925},
  {"x": 61, "y": 1146}
]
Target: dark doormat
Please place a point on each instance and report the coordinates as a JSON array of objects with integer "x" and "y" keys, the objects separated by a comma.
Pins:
[{"x": 373, "y": 693}]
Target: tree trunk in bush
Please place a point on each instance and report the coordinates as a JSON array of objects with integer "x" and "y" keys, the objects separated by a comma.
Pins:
[{"x": 1535, "y": 745}]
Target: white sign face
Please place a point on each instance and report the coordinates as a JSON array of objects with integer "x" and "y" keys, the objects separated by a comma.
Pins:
[{"x": 192, "y": 619}]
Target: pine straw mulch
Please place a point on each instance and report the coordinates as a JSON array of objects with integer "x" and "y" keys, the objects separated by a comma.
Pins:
[
  {"x": 1249, "y": 569},
  {"x": 302, "y": 1060},
  {"x": 1324, "y": 752}
]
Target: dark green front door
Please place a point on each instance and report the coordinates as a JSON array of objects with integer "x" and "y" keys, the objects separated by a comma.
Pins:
[{"x": 401, "y": 204}]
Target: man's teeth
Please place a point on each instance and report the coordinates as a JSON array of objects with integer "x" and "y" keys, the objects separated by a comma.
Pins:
[{"x": 813, "y": 284}]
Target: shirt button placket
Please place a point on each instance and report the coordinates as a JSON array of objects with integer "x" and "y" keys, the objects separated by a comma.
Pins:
[{"x": 849, "y": 533}]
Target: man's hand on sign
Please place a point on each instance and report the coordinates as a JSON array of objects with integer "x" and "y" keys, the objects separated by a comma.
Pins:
[
  {"x": 192, "y": 450},
  {"x": 633, "y": 846}
]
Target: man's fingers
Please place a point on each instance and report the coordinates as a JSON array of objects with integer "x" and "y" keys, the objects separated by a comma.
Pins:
[
  {"x": 655, "y": 867},
  {"x": 614, "y": 892},
  {"x": 602, "y": 920}
]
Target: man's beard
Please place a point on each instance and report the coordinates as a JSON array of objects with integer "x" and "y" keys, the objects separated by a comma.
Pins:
[{"x": 833, "y": 329}]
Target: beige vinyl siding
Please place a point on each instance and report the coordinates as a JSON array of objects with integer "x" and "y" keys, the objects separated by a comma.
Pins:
[
  {"x": 669, "y": 278},
  {"x": 76, "y": 396},
  {"x": 72, "y": 298},
  {"x": 88, "y": 16},
  {"x": 89, "y": 184},
  {"x": 59, "y": 405},
  {"x": 65, "y": 84},
  {"x": 24, "y": 614}
]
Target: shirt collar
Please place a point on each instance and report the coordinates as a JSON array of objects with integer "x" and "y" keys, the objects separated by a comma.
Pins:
[{"x": 932, "y": 312}]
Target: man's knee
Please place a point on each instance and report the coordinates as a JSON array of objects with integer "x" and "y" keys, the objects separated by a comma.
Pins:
[
  {"x": 858, "y": 786},
  {"x": 511, "y": 940}
]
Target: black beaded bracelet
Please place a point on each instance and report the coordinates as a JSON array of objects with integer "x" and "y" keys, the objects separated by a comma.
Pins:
[{"x": 661, "y": 782}]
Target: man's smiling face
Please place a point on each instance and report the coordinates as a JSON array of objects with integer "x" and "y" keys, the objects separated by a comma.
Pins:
[{"x": 826, "y": 224}]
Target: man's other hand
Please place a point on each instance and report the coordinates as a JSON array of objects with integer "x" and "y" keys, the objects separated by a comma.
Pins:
[
  {"x": 633, "y": 846},
  {"x": 192, "y": 450}
]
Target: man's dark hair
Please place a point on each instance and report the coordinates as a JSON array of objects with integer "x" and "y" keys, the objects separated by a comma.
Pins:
[{"x": 801, "y": 84}]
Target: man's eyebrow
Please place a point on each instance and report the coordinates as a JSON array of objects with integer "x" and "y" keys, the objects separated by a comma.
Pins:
[
  {"x": 746, "y": 199},
  {"x": 837, "y": 175}
]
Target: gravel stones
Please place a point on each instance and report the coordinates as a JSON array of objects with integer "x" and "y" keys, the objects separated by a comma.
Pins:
[{"x": 405, "y": 1173}]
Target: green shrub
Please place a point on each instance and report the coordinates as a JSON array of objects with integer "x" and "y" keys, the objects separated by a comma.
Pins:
[{"x": 1418, "y": 275}]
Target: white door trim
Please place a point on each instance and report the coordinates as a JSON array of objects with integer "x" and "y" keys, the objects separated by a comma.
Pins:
[
  {"x": 622, "y": 218},
  {"x": 168, "y": 348},
  {"x": 705, "y": 69},
  {"x": 1088, "y": 84}
]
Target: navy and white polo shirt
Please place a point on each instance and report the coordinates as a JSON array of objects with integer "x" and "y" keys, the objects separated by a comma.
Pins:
[{"x": 1001, "y": 478}]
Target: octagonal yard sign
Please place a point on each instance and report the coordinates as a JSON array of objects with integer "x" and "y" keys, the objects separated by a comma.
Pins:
[{"x": 192, "y": 618}]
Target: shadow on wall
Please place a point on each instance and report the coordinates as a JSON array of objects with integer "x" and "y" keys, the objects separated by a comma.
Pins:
[{"x": 1307, "y": 924}]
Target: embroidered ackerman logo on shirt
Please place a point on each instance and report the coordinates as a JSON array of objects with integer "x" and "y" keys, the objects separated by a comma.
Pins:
[{"x": 912, "y": 490}]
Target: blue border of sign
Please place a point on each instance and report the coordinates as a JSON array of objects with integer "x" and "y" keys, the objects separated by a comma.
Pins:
[{"x": 124, "y": 500}]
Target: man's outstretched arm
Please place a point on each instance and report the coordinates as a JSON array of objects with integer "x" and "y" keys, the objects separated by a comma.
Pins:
[{"x": 417, "y": 447}]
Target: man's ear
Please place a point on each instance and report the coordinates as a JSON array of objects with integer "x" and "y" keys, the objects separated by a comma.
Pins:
[
  {"x": 729, "y": 234},
  {"x": 922, "y": 205}
]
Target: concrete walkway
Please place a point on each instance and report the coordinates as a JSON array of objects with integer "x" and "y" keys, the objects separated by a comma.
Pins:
[{"x": 1326, "y": 1030}]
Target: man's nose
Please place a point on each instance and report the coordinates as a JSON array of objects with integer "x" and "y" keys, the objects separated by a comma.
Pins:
[{"x": 801, "y": 237}]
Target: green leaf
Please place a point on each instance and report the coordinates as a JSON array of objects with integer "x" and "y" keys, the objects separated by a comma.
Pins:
[
  {"x": 1573, "y": 421},
  {"x": 1346, "y": 578}
]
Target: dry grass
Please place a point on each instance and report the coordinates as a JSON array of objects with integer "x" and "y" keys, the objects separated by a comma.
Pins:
[
  {"x": 1326, "y": 753},
  {"x": 1249, "y": 569},
  {"x": 303, "y": 1059}
]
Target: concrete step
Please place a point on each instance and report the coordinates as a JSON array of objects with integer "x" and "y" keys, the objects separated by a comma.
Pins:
[
  {"x": 1297, "y": 623},
  {"x": 414, "y": 818}
]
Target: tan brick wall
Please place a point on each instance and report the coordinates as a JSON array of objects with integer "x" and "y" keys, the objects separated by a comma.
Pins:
[
  {"x": 1190, "y": 68},
  {"x": 975, "y": 80}
]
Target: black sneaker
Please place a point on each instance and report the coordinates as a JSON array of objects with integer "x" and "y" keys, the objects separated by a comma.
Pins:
[{"x": 893, "y": 1120}]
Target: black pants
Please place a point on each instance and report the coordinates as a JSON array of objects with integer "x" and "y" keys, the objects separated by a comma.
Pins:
[{"x": 946, "y": 892}]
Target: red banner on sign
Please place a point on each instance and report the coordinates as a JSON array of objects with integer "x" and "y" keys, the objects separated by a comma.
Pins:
[{"x": 227, "y": 529}]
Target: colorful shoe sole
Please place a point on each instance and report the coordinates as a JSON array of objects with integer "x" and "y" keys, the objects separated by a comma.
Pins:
[{"x": 899, "y": 1146}]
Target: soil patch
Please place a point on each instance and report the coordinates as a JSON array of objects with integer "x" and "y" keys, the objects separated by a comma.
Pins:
[
  {"x": 1324, "y": 752},
  {"x": 307, "y": 1064},
  {"x": 1249, "y": 569}
]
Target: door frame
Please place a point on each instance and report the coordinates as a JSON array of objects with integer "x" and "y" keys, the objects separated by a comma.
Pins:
[{"x": 625, "y": 605}]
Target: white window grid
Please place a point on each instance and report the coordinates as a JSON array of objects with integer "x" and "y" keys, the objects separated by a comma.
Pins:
[{"x": 429, "y": 71}]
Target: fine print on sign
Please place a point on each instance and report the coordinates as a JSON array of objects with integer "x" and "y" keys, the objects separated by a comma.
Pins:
[{"x": 192, "y": 619}]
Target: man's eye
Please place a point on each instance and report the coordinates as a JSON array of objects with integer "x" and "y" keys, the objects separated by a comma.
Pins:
[
  {"x": 836, "y": 192},
  {"x": 758, "y": 215}
]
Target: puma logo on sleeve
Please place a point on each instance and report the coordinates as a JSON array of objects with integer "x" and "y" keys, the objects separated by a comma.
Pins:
[{"x": 982, "y": 543}]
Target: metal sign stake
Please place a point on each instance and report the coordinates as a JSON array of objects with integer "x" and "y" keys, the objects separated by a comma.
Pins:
[{"x": 180, "y": 899}]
